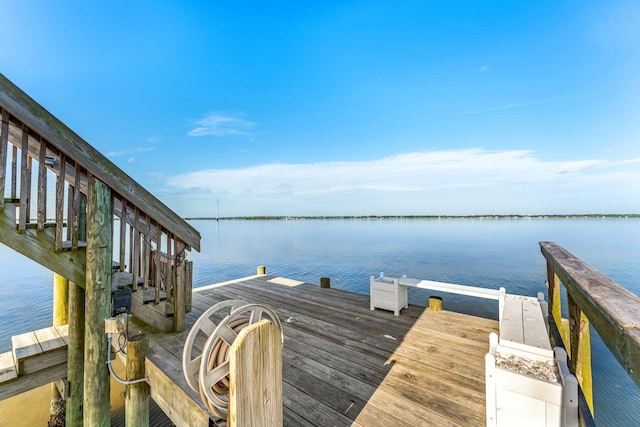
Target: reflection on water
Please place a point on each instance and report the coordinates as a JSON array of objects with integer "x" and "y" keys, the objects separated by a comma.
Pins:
[{"x": 488, "y": 253}]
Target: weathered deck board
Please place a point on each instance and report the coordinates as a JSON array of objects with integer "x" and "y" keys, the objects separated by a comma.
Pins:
[
  {"x": 7, "y": 367},
  {"x": 344, "y": 364}
]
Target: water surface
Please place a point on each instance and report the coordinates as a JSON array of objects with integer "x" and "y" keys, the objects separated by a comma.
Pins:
[{"x": 489, "y": 253}]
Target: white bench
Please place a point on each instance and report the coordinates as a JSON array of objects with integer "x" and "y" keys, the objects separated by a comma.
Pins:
[
  {"x": 390, "y": 293},
  {"x": 527, "y": 382}
]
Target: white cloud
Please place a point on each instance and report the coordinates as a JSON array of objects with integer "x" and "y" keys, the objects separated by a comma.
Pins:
[
  {"x": 434, "y": 182},
  {"x": 580, "y": 166},
  {"x": 217, "y": 124}
]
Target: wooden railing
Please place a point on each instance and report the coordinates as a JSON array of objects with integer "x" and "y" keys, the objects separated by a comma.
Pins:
[
  {"x": 47, "y": 175},
  {"x": 592, "y": 298}
]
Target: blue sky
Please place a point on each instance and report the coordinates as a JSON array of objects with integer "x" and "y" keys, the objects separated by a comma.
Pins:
[{"x": 351, "y": 107}]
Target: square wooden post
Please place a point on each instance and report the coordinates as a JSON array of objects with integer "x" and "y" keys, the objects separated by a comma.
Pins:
[
  {"x": 136, "y": 402},
  {"x": 255, "y": 377},
  {"x": 97, "y": 411}
]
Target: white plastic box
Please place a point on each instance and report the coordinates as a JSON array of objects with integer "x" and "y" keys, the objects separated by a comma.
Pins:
[
  {"x": 523, "y": 397},
  {"x": 388, "y": 294}
]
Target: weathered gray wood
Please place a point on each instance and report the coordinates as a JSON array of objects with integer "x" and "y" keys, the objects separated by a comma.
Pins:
[
  {"x": 25, "y": 190},
  {"x": 29, "y": 179},
  {"x": 60, "y": 183},
  {"x": 420, "y": 368},
  {"x": 37, "y": 246},
  {"x": 63, "y": 330},
  {"x": 4, "y": 141},
  {"x": 613, "y": 311},
  {"x": 53, "y": 351},
  {"x": 8, "y": 369},
  {"x": 123, "y": 235},
  {"x": 158, "y": 260},
  {"x": 60, "y": 136},
  {"x": 30, "y": 381},
  {"x": 170, "y": 391},
  {"x": 42, "y": 187},
  {"x": 146, "y": 257},
  {"x": 188, "y": 280},
  {"x": 131, "y": 237},
  {"x": 255, "y": 376},
  {"x": 137, "y": 397},
  {"x": 75, "y": 371},
  {"x": 153, "y": 314},
  {"x": 70, "y": 191},
  {"x": 74, "y": 220},
  {"x": 82, "y": 219},
  {"x": 14, "y": 172},
  {"x": 97, "y": 303},
  {"x": 135, "y": 253},
  {"x": 168, "y": 271},
  {"x": 179, "y": 304},
  {"x": 25, "y": 346},
  {"x": 50, "y": 339}
]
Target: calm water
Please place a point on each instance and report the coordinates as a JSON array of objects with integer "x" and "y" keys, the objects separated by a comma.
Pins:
[{"x": 489, "y": 253}]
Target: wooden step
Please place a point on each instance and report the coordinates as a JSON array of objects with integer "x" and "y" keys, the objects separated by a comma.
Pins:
[
  {"x": 34, "y": 225},
  {"x": 37, "y": 350},
  {"x": 123, "y": 280},
  {"x": 67, "y": 245},
  {"x": 157, "y": 315},
  {"x": 8, "y": 370}
]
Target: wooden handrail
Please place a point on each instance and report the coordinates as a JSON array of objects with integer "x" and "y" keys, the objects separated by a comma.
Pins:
[
  {"x": 64, "y": 140},
  {"x": 592, "y": 298},
  {"x": 41, "y": 143}
]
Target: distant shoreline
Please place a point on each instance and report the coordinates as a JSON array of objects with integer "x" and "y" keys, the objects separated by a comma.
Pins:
[{"x": 484, "y": 217}]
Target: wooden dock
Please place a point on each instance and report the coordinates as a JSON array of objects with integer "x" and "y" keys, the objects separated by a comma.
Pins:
[{"x": 344, "y": 364}]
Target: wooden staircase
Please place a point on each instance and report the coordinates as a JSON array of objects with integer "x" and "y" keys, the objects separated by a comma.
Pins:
[{"x": 44, "y": 174}]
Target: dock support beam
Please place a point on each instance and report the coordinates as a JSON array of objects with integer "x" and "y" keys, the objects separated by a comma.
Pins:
[
  {"x": 75, "y": 349},
  {"x": 75, "y": 356},
  {"x": 60, "y": 317},
  {"x": 60, "y": 300},
  {"x": 136, "y": 403},
  {"x": 98, "y": 303}
]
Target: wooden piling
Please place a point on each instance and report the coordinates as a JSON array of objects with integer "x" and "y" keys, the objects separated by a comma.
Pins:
[
  {"x": 435, "y": 303},
  {"x": 325, "y": 282},
  {"x": 60, "y": 300},
  {"x": 255, "y": 376},
  {"x": 136, "y": 403},
  {"x": 75, "y": 348},
  {"x": 261, "y": 270},
  {"x": 179, "y": 297},
  {"x": 98, "y": 303},
  {"x": 60, "y": 312},
  {"x": 75, "y": 356}
]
